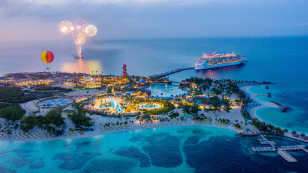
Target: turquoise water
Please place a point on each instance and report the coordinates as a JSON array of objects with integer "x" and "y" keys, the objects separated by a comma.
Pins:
[
  {"x": 147, "y": 106},
  {"x": 56, "y": 102},
  {"x": 294, "y": 119},
  {"x": 282, "y": 60},
  {"x": 114, "y": 104},
  {"x": 165, "y": 150}
]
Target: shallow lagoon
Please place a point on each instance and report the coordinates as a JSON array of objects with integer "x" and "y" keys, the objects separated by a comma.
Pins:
[
  {"x": 294, "y": 119},
  {"x": 174, "y": 149}
]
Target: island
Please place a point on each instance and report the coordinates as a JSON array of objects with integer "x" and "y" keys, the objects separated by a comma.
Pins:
[{"x": 53, "y": 105}]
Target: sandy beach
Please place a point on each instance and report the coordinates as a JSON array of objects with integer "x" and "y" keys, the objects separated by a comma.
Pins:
[{"x": 261, "y": 104}]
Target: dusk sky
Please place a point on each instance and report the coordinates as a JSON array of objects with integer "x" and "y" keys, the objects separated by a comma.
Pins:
[{"x": 29, "y": 20}]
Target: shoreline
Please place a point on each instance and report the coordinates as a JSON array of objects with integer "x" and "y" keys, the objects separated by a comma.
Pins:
[
  {"x": 118, "y": 129},
  {"x": 263, "y": 104},
  {"x": 40, "y": 136}
]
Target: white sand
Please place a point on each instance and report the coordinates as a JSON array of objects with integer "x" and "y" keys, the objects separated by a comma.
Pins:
[{"x": 263, "y": 104}]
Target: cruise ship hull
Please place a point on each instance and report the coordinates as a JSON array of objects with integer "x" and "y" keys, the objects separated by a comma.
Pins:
[{"x": 204, "y": 66}]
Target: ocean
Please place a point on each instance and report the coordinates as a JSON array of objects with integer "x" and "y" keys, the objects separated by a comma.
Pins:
[
  {"x": 165, "y": 150},
  {"x": 282, "y": 60}
]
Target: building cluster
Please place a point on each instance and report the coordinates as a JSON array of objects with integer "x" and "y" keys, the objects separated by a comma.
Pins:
[{"x": 60, "y": 79}]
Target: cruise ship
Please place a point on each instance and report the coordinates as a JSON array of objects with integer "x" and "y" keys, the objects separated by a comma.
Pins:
[{"x": 214, "y": 60}]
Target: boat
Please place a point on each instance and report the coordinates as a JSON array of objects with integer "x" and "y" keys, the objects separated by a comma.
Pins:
[{"x": 214, "y": 60}]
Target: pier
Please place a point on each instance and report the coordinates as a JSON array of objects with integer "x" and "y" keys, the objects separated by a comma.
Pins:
[
  {"x": 164, "y": 74},
  {"x": 286, "y": 156},
  {"x": 282, "y": 150}
]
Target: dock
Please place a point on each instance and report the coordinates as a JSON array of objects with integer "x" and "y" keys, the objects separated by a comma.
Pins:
[
  {"x": 164, "y": 74},
  {"x": 305, "y": 150},
  {"x": 282, "y": 150},
  {"x": 288, "y": 157}
]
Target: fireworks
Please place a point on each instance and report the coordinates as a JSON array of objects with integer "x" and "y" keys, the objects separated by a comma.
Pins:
[
  {"x": 66, "y": 27},
  {"x": 80, "y": 33},
  {"x": 91, "y": 30}
]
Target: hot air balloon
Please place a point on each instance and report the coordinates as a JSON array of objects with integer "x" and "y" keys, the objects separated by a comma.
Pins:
[{"x": 47, "y": 56}]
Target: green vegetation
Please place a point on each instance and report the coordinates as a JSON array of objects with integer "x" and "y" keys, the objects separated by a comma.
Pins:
[
  {"x": 173, "y": 115},
  {"x": 245, "y": 113},
  {"x": 54, "y": 117},
  {"x": 223, "y": 121},
  {"x": 215, "y": 102},
  {"x": 237, "y": 125},
  {"x": 267, "y": 128},
  {"x": 29, "y": 122},
  {"x": 3, "y": 105},
  {"x": 17, "y": 95},
  {"x": 201, "y": 118},
  {"x": 193, "y": 109},
  {"x": 12, "y": 112},
  {"x": 166, "y": 107},
  {"x": 51, "y": 88},
  {"x": 52, "y": 122},
  {"x": 80, "y": 119},
  {"x": 14, "y": 95}
]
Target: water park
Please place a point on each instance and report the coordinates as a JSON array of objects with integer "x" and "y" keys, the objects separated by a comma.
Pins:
[{"x": 111, "y": 105}]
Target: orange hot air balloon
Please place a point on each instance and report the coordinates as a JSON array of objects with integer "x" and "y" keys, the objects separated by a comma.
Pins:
[{"x": 47, "y": 56}]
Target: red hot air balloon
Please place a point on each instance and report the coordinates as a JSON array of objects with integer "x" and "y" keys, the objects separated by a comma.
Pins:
[{"x": 47, "y": 56}]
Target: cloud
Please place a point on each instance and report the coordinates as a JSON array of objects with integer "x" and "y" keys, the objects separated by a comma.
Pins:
[{"x": 115, "y": 2}]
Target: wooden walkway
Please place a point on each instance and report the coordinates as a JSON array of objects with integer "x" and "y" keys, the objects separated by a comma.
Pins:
[
  {"x": 157, "y": 76},
  {"x": 288, "y": 157},
  {"x": 282, "y": 150}
]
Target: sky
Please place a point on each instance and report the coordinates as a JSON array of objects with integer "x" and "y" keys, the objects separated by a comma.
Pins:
[{"x": 37, "y": 20}]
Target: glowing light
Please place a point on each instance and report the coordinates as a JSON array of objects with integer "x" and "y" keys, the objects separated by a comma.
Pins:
[
  {"x": 80, "y": 39},
  {"x": 66, "y": 27},
  {"x": 91, "y": 30},
  {"x": 82, "y": 66},
  {"x": 80, "y": 33}
]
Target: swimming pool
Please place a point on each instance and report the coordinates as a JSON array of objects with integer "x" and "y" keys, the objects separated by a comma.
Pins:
[
  {"x": 148, "y": 106},
  {"x": 114, "y": 104},
  {"x": 166, "y": 91},
  {"x": 55, "y": 103}
]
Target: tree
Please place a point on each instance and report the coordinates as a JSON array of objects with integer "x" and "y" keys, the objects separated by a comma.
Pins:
[
  {"x": 227, "y": 105},
  {"x": 54, "y": 117},
  {"x": 28, "y": 123},
  {"x": 13, "y": 112},
  {"x": 80, "y": 119},
  {"x": 191, "y": 109},
  {"x": 215, "y": 102},
  {"x": 14, "y": 95}
]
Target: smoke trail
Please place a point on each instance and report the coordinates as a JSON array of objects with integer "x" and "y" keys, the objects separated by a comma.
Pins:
[{"x": 80, "y": 33}]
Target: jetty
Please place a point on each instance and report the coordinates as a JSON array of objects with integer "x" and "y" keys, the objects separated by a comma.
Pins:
[
  {"x": 164, "y": 74},
  {"x": 282, "y": 150},
  {"x": 281, "y": 107}
]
